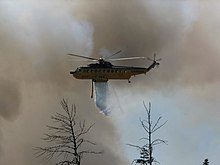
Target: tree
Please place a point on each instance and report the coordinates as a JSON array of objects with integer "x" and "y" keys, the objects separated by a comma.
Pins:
[
  {"x": 206, "y": 162},
  {"x": 66, "y": 138},
  {"x": 146, "y": 151}
]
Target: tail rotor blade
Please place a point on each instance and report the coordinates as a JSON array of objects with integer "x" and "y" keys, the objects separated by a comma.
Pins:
[
  {"x": 154, "y": 56},
  {"x": 154, "y": 59},
  {"x": 159, "y": 59}
]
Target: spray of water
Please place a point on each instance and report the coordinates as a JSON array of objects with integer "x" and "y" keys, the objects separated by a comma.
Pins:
[
  {"x": 106, "y": 99},
  {"x": 102, "y": 97}
]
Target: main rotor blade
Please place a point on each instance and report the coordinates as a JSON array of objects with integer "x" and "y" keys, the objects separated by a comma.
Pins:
[
  {"x": 128, "y": 58},
  {"x": 90, "y": 58},
  {"x": 113, "y": 54},
  {"x": 82, "y": 60},
  {"x": 159, "y": 59},
  {"x": 150, "y": 59}
]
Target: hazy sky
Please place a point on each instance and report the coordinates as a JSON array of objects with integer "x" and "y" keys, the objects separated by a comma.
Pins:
[{"x": 34, "y": 75}]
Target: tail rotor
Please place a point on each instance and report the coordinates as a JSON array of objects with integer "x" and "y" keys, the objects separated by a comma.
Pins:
[{"x": 155, "y": 61}]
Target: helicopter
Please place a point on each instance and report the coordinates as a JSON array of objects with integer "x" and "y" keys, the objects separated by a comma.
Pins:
[{"x": 103, "y": 70}]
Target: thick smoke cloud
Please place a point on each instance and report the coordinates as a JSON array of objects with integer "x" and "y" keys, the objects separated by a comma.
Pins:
[
  {"x": 10, "y": 99},
  {"x": 180, "y": 32},
  {"x": 172, "y": 29},
  {"x": 135, "y": 26},
  {"x": 35, "y": 77},
  {"x": 185, "y": 34},
  {"x": 35, "y": 37}
]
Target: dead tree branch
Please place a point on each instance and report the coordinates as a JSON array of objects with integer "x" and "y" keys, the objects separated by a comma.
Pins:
[
  {"x": 146, "y": 151},
  {"x": 66, "y": 137}
]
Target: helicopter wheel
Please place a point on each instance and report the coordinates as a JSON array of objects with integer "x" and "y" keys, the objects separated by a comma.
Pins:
[{"x": 129, "y": 81}]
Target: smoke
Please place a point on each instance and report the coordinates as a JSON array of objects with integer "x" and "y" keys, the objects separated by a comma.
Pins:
[
  {"x": 135, "y": 26},
  {"x": 185, "y": 34},
  {"x": 180, "y": 32},
  {"x": 141, "y": 28},
  {"x": 10, "y": 99},
  {"x": 35, "y": 37}
]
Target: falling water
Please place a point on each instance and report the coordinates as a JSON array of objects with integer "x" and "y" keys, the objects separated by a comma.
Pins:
[{"x": 102, "y": 96}]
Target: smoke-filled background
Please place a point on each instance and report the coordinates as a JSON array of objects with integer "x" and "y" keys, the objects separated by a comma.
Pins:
[{"x": 35, "y": 37}]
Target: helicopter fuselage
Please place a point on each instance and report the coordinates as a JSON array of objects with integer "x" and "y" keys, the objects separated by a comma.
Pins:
[
  {"x": 98, "y": 73},
  {"x": 104, "y": 70}
]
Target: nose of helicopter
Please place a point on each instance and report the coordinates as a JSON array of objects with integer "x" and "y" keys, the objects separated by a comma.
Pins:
[{"x": 73, "y": 73}]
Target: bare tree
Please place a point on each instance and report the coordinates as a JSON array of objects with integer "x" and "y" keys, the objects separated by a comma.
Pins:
[
  {"x": 146, "y": 151},
  {"x": 66, "y": 138}
]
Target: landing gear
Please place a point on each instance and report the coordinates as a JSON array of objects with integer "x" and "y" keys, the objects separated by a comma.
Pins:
[
  {"x": 129, "y": 81},
  {"x": 92, "y": 89}
]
